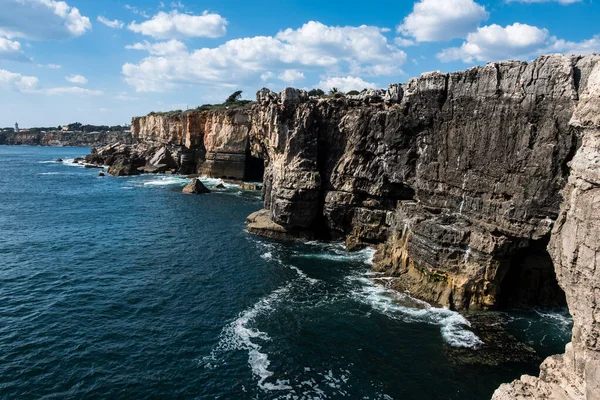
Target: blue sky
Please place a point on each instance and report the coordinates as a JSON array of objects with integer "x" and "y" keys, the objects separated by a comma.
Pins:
[{"x": 102, "y": 62}]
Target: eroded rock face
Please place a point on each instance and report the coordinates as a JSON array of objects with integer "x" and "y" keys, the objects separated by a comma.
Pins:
[
  {"x": 209, "y": 143},
  {"x": 456, "y": 173},
  {"x": 575, "y": 249}
]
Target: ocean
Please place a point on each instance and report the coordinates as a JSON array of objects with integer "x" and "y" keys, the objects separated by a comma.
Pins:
[{"x": 124, "y": 288}]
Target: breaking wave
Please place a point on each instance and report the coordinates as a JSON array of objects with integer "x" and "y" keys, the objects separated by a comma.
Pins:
[{"x": 396, "y": 305}]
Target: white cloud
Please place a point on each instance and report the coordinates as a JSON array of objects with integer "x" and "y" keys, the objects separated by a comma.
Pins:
[
  {"x": 70, "y": 90},
  {"x": 115, "y": 24},
  {"x": 442, "y": 20},
  {"x": 137, "y": 11},
  {"x": 267, "y": 75},
  {"x": 18, "y": 82},
  {"x": 403, "y": 42},
  {"x": 160, "y": 48},
  {"x": 52, "y": 66},
  {"x": 176, "y": 25},
  {"x": 516, "y": 41},
  {"x": 291, "y": 76},
  {"x": 11, "y": 50},
  {"x": 564, "y": 2},
  {"x": 314, "y": 46},
  {"x": 41, "y": 19},
  {"x": 76, "y": 79},
  {"x": 125, "y": 97},
  {"x": 345, "y": 84},
  {"x": 566, "y": 47}
]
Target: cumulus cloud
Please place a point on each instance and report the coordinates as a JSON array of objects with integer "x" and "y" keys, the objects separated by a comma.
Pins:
[
  {"x": 11, "y": 50},
  {"x": 70, "y": 90},
  {"x": 567, "y": 47},
  {"x": 442, "y": 20},
  {"x": 41, "y": 19},
  {"x": 160, "y": 48},
  {"x": 176, "y": 25},
  {"x": 76, "y": 79},
  {"x": 114, "y": 24},
  {"x": 314, "y": 46},
  {"x": 516, "y": 41},
  {"x": 18, "y": 82},
  {"x": 291, "y": 76},
  {"x": 345, "y": 84}
]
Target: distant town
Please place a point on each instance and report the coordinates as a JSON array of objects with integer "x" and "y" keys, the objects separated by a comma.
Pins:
[{"x": 75, "y": 127}]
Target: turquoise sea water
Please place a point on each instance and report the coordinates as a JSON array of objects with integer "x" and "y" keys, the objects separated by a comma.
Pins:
[{"x": 123, "y": 288}]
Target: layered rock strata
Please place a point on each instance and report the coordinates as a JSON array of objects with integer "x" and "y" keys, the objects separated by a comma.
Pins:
[{"x": 575, "y": 250}]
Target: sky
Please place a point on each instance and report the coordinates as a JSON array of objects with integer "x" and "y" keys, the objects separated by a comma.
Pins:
[{"x": 105, "y": 61}]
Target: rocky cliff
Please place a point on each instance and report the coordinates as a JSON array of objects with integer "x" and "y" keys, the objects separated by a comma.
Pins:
[
  {"x": 211, "y": 143},
  {"x": 479, "y": 187},
  {"x": 575, "y": 250}
]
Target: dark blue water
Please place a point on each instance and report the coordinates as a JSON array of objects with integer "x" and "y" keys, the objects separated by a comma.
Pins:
[{"x": 124, "y": 288}]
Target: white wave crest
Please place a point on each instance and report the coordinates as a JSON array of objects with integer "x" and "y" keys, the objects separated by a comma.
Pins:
[
  {"x": 337, "y": 252},
  {"x": 167, "y": 181},
  {"x": 453, "y": 326},
  {"x": 238, "y": 335}
]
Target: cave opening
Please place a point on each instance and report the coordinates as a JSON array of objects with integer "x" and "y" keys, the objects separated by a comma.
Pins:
[
  {"x": 531, "y": 280},
  {"x": 254, "y": 168}
]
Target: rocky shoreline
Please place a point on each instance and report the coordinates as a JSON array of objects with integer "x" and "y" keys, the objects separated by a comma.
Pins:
[{"x": 478, "y": 187}]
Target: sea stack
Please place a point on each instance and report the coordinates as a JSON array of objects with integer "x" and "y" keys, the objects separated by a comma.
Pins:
[{"x": 195, "y": 187}]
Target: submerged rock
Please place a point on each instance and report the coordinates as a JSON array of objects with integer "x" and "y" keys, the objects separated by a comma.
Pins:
[
  {"x": 100, "y": 173},
  {"x": 195, "y": 187},
  {"x": 498, "y": 347},
  {"x": 59, "y": 160}
]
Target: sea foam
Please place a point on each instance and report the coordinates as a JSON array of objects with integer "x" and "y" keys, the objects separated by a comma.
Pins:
[
  {"x": 453, "y": 326},
  {"x": 239, "y": 335}
]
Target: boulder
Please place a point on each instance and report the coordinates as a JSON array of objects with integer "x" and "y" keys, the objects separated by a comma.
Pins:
[
  {"x": 162, "y": 160},
  {"x": 59, "y": 160},
  {"x": 195, "y": 187}
]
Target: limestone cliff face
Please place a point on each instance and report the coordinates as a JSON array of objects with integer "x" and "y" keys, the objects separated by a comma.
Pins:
[
  {"x": 462, "y": 172},
  {"x": 212, "y": 143},
  {"x": 575, "y": 250}
]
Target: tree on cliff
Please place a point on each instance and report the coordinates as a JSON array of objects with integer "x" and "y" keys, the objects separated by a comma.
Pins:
[
  {"x": 316, "y": 93},
  {"x": 235, "y": 97}
]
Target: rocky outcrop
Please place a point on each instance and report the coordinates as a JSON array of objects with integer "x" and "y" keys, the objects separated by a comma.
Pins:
[
  {"x": 74, "y": 139},
  {"x": 195, "y": 187},
  {"x": 575, "y": 250}
]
